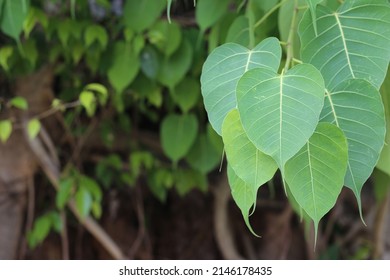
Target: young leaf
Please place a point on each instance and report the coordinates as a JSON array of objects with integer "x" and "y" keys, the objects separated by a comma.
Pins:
[
  {"x": 251, "y": 165},
  {"x": 203, "y": 156},
  {"x": 91, "y": 186},
  {"x": 33, "y": 128},
  {"x": 19, "y": 102},
  {"x": 5, "y": 53},
  {"x": 280, "y": 112},
  {"x": 13, "y": 16},
  {"x": 88, "y": 101},
  {"x": 101, "y": 90},
  {"x": 166, "y": 37},
  {"x": 125, "y": 66},
  {"x": 178, "y": 133},
  {"x": 353, "y": 42},
  {"x": 355, "y": 106},
  {"x": 209, "y": 12},
  {"x": 186, "y": 93},
  {"x": 173, "y": 69},
  {"x": 96, "y": 33},
  {"x": 64, "y": 192},
  {"x": 187, "y": 180},
  {"x": 41, "y": 229},
  {"x": 315, "y": 175},
  {"x": 83, "y": 202},
  {"x": 224, "y": 67},
  {"x": 139, "y": 15},
  {"x": 244, "y": 195},
  {"x": 5, "y": 130}
]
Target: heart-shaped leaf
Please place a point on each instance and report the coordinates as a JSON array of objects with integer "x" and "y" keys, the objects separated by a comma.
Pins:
[
  {"x": 178, "y": 133},
  {"x": 251, "y": 165},
  {"x": 224, "y": 67},
  {"x": 244, "y": 195},
  {"x": 280, "y": 112},
  {"x": 12, "y": 17},
  {"x": 315, "y": 175},
  {"x": 353, "y": 42},
  {"x": 355, "y": 106}
]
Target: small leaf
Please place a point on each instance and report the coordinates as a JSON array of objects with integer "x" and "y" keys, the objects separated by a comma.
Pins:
[
  {"x": 64, "y": 192},
  {"x": 186, "y": 93},
  {"x": 5, "y": 130},
  {"x": 173, "y": 69},
  {"x": 224, "y": 67},
  {"x": 239, "y": 31},
  {"x": 203, "y": 156},
  {"x": 177, "y": 135},
  {"x": 251, "y": 165},
  {"x": 101, "y": 90},
  {"x": 166, "y": 37},
  {"x": 83, "y": 202},
  {"x": 315, "y": 175},
  {"x": 96, "y": 33},
  {"x": 244, "y": 195},
  {"x": 125, "y": 66},
  {"x": 209, "y": 12},
  {"x": 88, "y": 101},
  {"x": 19, "y": 102},
  {"x": 150, "y": 62},
  {"x": 13, "y": 16},
  {"x": 33, "y": 128},
  {"x": 139, "y": 15},
  {"x": 5, "y": 53},
  {"x": 96, "y": 209},
  {"x": 187, "y": 180},
  {"x": 41, "y": 228},
  {"x": 91, "y": 186},
  {"x": 279, "y": 113}
]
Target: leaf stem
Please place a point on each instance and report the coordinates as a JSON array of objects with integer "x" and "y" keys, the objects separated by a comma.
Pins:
[
  {"x": 251, "y": 19},
  {"x": 291, "y": 36},
  {"x": 270, "y": 12}
]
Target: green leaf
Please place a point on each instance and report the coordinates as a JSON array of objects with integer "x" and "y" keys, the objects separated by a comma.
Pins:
[
  {"x": 186, "y": 94},
  {"x": 19, "y": 102},
  {"x": 150, "y": 62},
  {"x": 187, "y": 180},
  {"x": 251, "y": 165},
  {"x": 174, "y": 68},
  {"x": 83, "y": 202},
  {"x": 91, "y": 186},
  {"x": 30, "y": 51},
  {"x": 5, "y": 53},
  {"x": 64, "y": 192},
  {"x": 384, "y": 160},
  {"x": 215, "y": 139},
  {"x": 96, "y": 209},
  {"x": 315, "y": 175},
  {"x": 13, "y": 16},
  {"x": 124, "y": 68},
  {"x": 280, "y": 112},
  {"x": 139, "y": 15},
  {"x": 244, "y": 195},
  {"x": 381, "y": 185},
  {"x": 88, "y": 101},
  {"x": 33, "y": 17},
  {"x": 178, "y": 133},
  {"x": 224, "y": 67},
  {"x": 41, "y": 229},
  {"x": 33, "y": 128},
  {"x": 96, "y": 33},
  {"x": 353, "y": 42},
  {"x": 5, "y": 130},
  {"x": 100, "y": 89},
  {"x": 239, "y": 31},
  {"x": 355, "y": 106},
  {"x": 209, "y": 12},
  {"x": 203, "y": 156},
  {"x": 166, "y": 36},
  {"x": 313, "y": 5}
]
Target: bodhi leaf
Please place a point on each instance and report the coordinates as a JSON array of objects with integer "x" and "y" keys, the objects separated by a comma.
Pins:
[
  {"x": 384, "y": 160},
  {"x": 313, "y": 5},
  {"x": 12, "y": 17},
  {"x": 315, "y": 175},
  {"x": 224, "y": 67},
  {"x": 251, "y": 165},
  {"x": 353, "y": 42},
  {"x": 178, "y": 133},
  {"x": 243, "y": 194},
  {"x": 355, "y": 106},
  {"x": 139, "y": 15},
  {"x": 209, "y": 12},
  {"x": 280, "y": 112}
]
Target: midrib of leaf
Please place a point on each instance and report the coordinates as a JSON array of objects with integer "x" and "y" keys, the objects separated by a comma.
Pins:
[
  {"x": 344, "y": 44},
  {"x": 332, "y": 106},
  {"x": 248, "y": 61},
  {"x": 281, "y": 120},
  {"x": 311, "y": 180}
]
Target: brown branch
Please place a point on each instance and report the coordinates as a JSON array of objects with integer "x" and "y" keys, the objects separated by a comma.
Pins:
[{"x": 53, "y": 173}]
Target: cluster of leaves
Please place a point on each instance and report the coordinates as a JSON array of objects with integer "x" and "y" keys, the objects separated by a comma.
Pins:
[{"x": 319, "y": 119}]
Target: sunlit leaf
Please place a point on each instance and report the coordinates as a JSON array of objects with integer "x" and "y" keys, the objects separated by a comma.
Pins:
[
  {"x": 5, "y": 130},
  {"x": 33, "y": 128}
]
